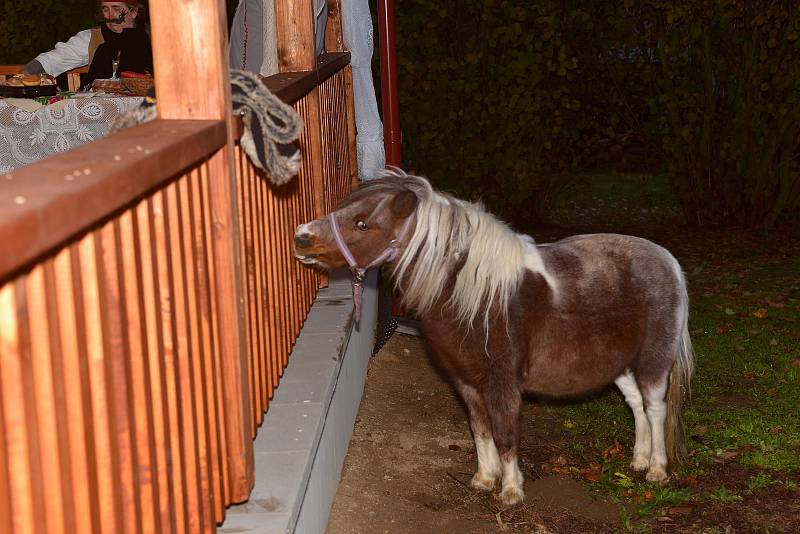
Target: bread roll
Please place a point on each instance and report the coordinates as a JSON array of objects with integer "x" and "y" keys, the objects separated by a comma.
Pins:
[{"x": 30, "y": 79}]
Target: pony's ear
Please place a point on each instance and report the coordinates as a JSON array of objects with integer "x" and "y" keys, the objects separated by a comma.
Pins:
[{"x": 404, "y": 204}]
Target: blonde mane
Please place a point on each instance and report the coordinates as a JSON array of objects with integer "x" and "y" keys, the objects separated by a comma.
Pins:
[{"x": 453, "y": 234}]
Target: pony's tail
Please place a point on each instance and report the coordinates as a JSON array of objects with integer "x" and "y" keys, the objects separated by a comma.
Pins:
[{"x": 679, "y": 387}]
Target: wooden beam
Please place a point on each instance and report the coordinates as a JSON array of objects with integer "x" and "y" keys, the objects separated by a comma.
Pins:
[{"x": 43, "y": 206}]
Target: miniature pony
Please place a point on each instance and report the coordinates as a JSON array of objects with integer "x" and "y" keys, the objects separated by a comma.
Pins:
[{"x": 504, "y": 316}]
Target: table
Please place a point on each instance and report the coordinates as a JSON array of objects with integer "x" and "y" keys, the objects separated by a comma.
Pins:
[{"x": 30, "y": 131}]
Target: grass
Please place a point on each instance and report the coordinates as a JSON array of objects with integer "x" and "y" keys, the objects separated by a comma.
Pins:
[{"x": 745, "y": 325}]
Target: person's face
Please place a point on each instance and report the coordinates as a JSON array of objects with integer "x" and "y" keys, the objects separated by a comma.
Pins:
[{"x": 113, "y": 10}]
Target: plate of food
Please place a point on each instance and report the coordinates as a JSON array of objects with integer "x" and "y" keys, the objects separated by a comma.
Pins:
[{"x": 28, "y": 86}]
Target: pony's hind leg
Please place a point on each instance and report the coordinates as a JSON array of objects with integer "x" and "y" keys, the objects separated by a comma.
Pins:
[
  {"x": 489, "y": 467},
  {"x": 503, "y": 406},
  {"x": 641, "y": 448},
  {"x": 656, "y": 409}
]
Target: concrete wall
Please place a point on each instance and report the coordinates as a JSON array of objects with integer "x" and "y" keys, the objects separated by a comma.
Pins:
[{"x": 300, "y": 447}]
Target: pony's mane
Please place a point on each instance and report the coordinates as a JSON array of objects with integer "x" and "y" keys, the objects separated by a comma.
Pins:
[{"x": 449, "y": 234}]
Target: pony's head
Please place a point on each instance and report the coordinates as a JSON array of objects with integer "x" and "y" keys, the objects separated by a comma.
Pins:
[
  {"x": 451, "y": 246},
  {"x": 372, "y": 220}
]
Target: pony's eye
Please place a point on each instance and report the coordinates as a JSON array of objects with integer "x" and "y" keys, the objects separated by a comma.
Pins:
[{"x": 361, "y": 225}]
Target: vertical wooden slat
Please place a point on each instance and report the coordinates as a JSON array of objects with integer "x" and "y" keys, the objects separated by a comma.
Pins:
[
  {"x": 169, "y": 365},
  {"x": 140, "y": 397},
  {"x": 18, "y": 402},
  {"x": 116, "y": 339},
  {"x": 61, "y": 416},
  {"x": 266, "y": 290},
  {"x": 205, "y": 326},
  {"x": 76, "y": 382},
  {"x": 106, "y": 460},
  {"x": 184, "y": 357},
  {"x": 273, "y": 284},
  {"x": 248, "y": 280},
  {"x": 350, "y": 122},
  {"x": 45, "y": 393},
  {"x": 6, "y": 521},
  {"x": 258, "y": 258},
  {"x": 196, "y": 353},
  {"x": 217, "y": 352},
  {"x": 145, "y": 225}
]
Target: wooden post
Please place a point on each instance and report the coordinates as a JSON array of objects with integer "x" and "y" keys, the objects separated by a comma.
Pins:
[
  {"x": 190, "y": 45},
  {"x": 294, "y": 22}
]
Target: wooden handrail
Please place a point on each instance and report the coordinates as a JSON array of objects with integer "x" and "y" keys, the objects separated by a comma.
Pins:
[
  {"x": 54, "y": 200},
  {"x": 44, "y": 205},
  {"x": 292, "y": 86}
]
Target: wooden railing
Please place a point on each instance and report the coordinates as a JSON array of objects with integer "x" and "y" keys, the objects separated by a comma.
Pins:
[{"x": 137, "y": 356}]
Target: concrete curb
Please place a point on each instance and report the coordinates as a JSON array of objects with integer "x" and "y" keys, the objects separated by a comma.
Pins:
[{"x": 302, "y": 443}]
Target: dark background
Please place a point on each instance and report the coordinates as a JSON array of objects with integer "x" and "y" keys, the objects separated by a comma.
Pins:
[{"x": 511, "y": 101}]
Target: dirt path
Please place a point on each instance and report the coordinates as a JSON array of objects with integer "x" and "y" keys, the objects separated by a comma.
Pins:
[{"x": 412, "y": 456}]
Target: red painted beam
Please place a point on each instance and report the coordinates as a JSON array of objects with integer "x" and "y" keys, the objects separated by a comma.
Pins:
[{"x": 392, "y": 136}]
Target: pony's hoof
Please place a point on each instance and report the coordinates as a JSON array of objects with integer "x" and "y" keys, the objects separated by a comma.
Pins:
[
  {"x": 657, "y": 474},
  {"x": 481, "y": 482},
  {"x": 640, "y": 464},
  {"x": 511, "y": 495}
]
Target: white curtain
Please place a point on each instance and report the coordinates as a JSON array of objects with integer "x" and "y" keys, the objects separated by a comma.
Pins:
[
  {"x": 357, "y": 29},
  {"x": 253, "y": 47}
]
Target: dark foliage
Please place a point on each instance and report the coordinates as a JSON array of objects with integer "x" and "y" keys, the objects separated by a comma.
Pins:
[{"x": 505, "y": 100}]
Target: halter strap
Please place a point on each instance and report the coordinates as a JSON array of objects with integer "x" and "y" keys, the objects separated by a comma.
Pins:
[{"x": 388, "y": 254}]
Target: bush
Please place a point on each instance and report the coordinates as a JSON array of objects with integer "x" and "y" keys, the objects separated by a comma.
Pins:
[
  {"x": 728, "y": 85},
  {"x": 492, "y": 99},
  {"x": 505, "y": 100},
  {"x": 34, "y": 26}
]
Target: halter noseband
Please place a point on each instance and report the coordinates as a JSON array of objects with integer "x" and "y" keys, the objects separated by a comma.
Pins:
[{"x": 389, "y": 254}]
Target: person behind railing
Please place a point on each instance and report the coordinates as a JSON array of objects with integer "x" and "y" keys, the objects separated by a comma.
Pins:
[{"x": 121, "y": 39}]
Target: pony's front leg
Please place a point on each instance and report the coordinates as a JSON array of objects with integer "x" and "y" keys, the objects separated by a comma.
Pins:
[
  {"x": 503, "y": 406},
  {"x": 489, "y": 468}
]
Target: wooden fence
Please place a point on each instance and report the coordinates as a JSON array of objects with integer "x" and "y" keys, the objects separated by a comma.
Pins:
[{"x": 149, "y": 298}]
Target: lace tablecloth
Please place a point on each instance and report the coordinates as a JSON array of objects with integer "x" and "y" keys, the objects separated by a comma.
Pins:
[{"x": 29, "y": 132}]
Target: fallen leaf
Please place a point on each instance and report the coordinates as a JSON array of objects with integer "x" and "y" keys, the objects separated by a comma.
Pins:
[
  {"x": 615, "y": 452},
  {"x": 679, "y": 510},
  {"x": 729, "y": 311},
  {"x": 795, "y": 363},
  {"x": 759, "y": 313},
  {"x": 454, "y": 447},
  {"x": 692, "y": 481},
  {"x": 726, "y": 456}
]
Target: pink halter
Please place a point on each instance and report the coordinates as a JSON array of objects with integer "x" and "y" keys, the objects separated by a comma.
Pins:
[{"x": 389, "y": 254}]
